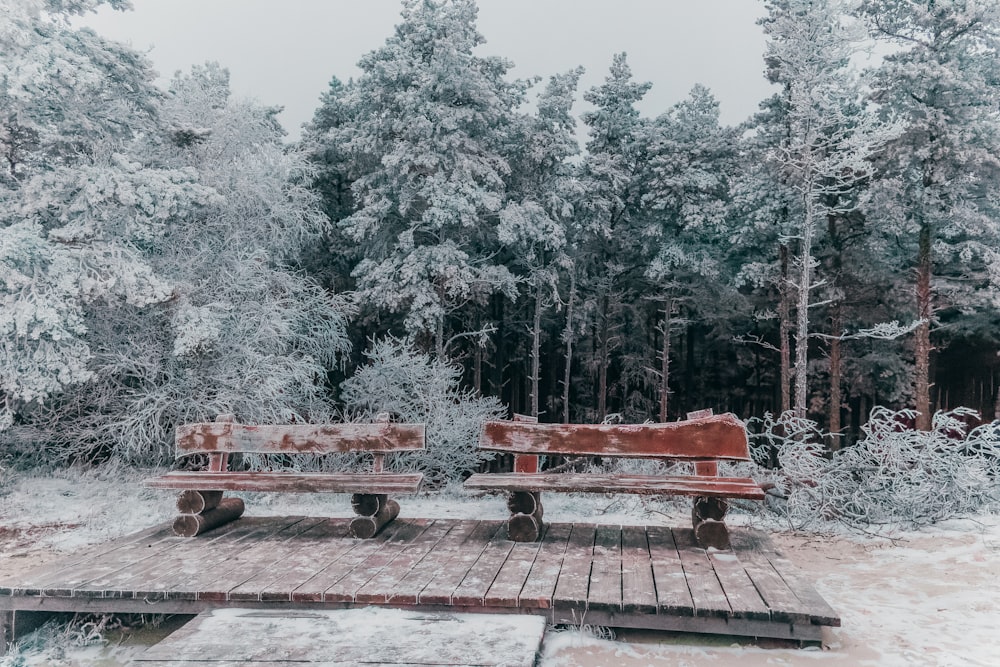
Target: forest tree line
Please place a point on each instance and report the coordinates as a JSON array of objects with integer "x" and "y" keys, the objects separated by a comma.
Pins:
[{"x": 167, "y": 256}]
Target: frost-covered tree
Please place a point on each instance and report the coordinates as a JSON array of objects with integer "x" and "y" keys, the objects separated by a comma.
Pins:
[
  {"x": 543, "y": 190},
  {"x": 828, "y": 139},
  {"x": 429, "y": 146},
  {"x": 610, "y": 247},
  {"x": 74, "y": 211},
  {"x": 690, "y": 165},
  {"x": 417, "y": 388},
  {"x": 937, "y": 193}
]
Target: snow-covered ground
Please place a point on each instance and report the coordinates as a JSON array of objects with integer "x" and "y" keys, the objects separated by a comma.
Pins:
[{"x": 921, "y": 598}]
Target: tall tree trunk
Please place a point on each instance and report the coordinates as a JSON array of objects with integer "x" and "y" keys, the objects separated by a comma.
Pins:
[
  {"x": 665, "y": 361},
  {"x": 536, "y": 336},
  {"x": 603, "y": 353},
  {"x": 922, "y": 342},
  {"x": 784, "y": 332},
  {"x": 568, "y": 337},
  {"x": 836, "y": 371},
  {"x": 802, "y": 313}
]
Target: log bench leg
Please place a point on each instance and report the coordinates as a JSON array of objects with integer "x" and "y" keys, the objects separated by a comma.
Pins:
[
  {"x": 525, "y": 523},
  {"x": 201, "y": 511},
  {"x": 374, "y": 512},
  {"x": 707, "y": 517}
]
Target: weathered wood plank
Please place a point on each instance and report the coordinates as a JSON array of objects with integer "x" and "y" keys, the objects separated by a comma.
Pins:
[
  {"x": 407, "y": 590},
  {"x": 706, "y": 591},
  {"x": 819, "y": 610},
  {"x": 540, "y": 585},
  {"x": 673, "y": 597},
  {"x": 743, "y": 597},
  {"x": 719, "y": 436},
  {"x": 784, "y": 604},
  {"x": 289, "y": 482},
  {"x": 725, "y": 487},
  {"x": 638, "y": 585},
  {"x": 506, "y": 588},
  {"x": 341, "y": 564},
  {"x": 441, "y": 588},
  {"x": 605, "y": 591},
  {"x": 379, "y": 588},
  {"x": 574, "y": 577},
  {"x": 346, "y": 588},
  {"x": 30, "y": 583},
  {"x": 168, "y": 578},
  {"x": 481, "y": 575},
  {"x": 297, "y": 438},
  {"x": 273, "y": 562}
]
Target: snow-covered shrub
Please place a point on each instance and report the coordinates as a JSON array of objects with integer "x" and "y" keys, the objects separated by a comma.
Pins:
[
  {"x": 894, "y": 475},
  {"x": 415, "y": 388}
]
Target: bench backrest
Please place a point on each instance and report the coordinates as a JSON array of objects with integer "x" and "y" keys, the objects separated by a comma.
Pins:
[
  {"x": 712, "y": 437},
  {"x": 222, "y": 437}
]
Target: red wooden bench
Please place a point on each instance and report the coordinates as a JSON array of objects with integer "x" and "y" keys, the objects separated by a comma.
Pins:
[
  {"x": 201, "y": 503},
  {"x": 703, "y": 441}
]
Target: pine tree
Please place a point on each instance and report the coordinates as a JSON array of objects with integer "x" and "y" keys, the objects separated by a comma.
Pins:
[
  {"x": 429, "y": 150},
  {"x": 937, "y": 190}
]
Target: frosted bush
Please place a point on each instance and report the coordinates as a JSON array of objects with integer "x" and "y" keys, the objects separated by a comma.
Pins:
[
  {"x": 893, "y": 475},
  {"x": 415, "y": 388}
]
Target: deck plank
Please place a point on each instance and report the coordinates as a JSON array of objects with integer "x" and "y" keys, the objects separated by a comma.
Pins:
[
  {"x": 784, "y": 604},
  {"x": 506, "y": 588},
  {"x": 540, "y": 585},
  {"x": 407, "y": 590},
  {"x": 314, "y": 588},
  {"x": 673, "y": 597},
  {"x": 574, "y": 578},
  {"x": 347, "y": 587},
  {"x": 481, "y": 575},
  {"x": 284, "y": 559},
  {"x": 379, "y": 588},
  {"x": 638, "y": 586},
  {"x": 706, "y": 592},
  {"x": 744, "y": 598},
  {"x": 442, "y": 587},
  {"x": 168, "y": 578},
  {"x": 605, "y": 590}
]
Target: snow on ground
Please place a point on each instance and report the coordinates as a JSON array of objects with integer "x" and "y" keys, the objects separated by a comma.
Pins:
[{"x": 920, "y": 598}]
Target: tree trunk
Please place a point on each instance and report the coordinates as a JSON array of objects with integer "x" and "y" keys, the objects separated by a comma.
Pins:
[
  {"x": 568, "y": 336},
  {"x": 536, "y": 336},
  {"x": 836, "y": 370},
  {"x": 922, "y": 342},
  {"x": 602, "y": 367},
  {"x": 802, "y": 314},
  {"x": 784, "y": 332},
  {"x": 665, "y": 361}
]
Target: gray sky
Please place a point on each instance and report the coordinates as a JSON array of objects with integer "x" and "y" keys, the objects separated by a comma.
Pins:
[{"x": 284, "y": 52}]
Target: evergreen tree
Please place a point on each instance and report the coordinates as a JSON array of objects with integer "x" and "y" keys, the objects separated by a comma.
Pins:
[{"x": 937, "y": 190}]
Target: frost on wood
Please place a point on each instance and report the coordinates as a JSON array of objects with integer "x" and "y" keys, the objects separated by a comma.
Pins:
[
  {"x": 894, "y": 475},
  {"x": 415, "y": 388}
]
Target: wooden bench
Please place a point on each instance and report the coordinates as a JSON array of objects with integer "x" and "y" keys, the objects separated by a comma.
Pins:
[
  {"x": 704, "y": 441},
  {"x": 201, "y": 503}
]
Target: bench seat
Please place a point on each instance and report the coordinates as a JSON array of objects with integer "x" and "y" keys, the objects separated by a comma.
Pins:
[
  {"x": 686, "y": 485},
  {"x": 290, "y": 482}
]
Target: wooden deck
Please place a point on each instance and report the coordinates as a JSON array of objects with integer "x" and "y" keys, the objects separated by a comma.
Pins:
[{"x": 632, "y": 576}]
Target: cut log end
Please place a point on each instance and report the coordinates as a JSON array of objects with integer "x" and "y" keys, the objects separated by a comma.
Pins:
[
  {"x": 525, "y": 502},
  {"x": 712, "y": 534},
  {"x": 197, "y": 502},
  {"x": 190, "y": 525},
  {"x": 368, "y": 504},
  {"x": 524, "y": 528},
  {"x": 365, "y": 527},
  {"x": 709, "y": 508}
]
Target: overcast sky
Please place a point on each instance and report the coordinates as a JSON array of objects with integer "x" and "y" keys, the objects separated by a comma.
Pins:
[{"x": 284, "y": 52}]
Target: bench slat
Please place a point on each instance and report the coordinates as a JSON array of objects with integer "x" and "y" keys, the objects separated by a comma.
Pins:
[
  {"x": 714, "y": 437},
  {"x": 721, "y": 487},
  {"x": 289, "y": 482},
  {"x": 297, "y": 438}
]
